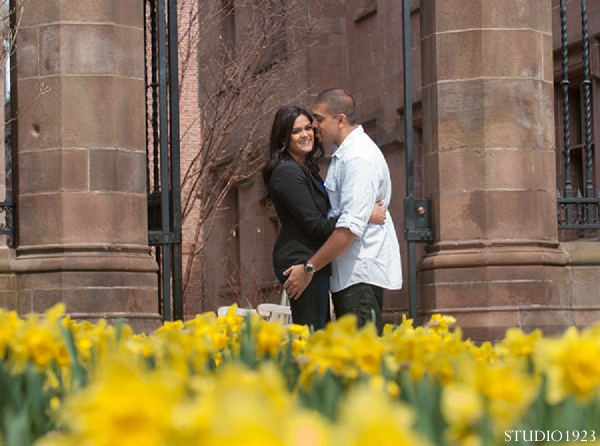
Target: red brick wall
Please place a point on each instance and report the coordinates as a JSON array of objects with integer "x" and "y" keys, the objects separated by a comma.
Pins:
[{"x": 190, "y": 138}]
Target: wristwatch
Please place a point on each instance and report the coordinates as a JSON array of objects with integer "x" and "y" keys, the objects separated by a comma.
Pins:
[{"x": 310, "y": 269}]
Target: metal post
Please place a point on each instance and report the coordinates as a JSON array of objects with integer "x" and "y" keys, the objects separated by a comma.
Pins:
[
  {"x": 408, "y": 144},
  {"x": 164, "y": 159},
  {"x": 177, "y": 279},
  {"x": 565, "y": 91},
  {"x": 589, "y": 188}
]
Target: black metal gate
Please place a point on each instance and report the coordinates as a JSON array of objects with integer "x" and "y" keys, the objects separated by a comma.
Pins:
[
  {"x": 417, "y": 211},
  {"x": 162, "y": 150}
]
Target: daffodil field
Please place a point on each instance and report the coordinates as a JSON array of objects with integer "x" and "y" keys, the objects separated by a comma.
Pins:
[{"x": 244, "y": 381}]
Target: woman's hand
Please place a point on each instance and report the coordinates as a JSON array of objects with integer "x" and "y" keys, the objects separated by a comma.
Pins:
[{"x": 378, "y": 214}]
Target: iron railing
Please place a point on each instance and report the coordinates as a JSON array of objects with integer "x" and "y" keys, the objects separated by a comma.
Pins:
[
  {"x": 7, "y": 208},
  {"x": 163, "y": 159},
  {"x": 577, "y": 209}
]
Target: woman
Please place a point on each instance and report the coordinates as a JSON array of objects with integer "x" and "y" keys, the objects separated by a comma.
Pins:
[{"x": 293, "y": 185}]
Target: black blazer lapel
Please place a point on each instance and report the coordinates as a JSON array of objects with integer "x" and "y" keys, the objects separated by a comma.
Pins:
[{"x": 319, "y": 187}]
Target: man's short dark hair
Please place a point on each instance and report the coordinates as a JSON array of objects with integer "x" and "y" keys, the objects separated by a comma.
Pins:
[{"x": 338, "y": 100}]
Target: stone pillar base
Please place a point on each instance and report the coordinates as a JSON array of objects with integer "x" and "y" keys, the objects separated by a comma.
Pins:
[
  {"x": 489, "y": 288},
  {"x": 93, "y": 284}
]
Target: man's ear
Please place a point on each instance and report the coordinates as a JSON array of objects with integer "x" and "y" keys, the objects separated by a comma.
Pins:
[{"x": 342, "y": 119}]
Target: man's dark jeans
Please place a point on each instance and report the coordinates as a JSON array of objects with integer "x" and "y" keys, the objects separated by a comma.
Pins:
[{"x": 361, "y": 299}]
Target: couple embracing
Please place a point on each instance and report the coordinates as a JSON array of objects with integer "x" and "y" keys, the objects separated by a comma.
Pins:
[{"x": 336, "y": 236}]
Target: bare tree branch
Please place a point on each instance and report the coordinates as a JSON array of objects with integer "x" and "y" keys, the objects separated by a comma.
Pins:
[{"x": 246, "y": 51}]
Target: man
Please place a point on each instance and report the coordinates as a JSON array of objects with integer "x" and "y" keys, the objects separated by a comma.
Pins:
[{"x": 365, "y": 258}]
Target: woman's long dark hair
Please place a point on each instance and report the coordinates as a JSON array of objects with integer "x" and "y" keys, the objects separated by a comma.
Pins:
[{"x": 281, "y": 132}]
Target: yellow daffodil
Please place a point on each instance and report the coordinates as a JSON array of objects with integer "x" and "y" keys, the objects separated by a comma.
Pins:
[
  {"x": 516, "y": 343},
  {"x": 124, "y": 405},
  {"x": 308, "y": 429},
  {"x": 170, "y": 326},
  {"x": 571, "y": 364},
  {"x": 269, "y": 338},
  {"x": 371, "y": 418},
  {"x": 368, "y": 350},
  {"x": 185, "y": 383},
  {"x": 508, "y": 390},
  {"x": 440, "y": 323},
  {"x": 462, "y": 407}
]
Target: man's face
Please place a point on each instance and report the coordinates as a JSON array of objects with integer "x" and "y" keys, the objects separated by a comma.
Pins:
[{"x": 326, "y": 124}]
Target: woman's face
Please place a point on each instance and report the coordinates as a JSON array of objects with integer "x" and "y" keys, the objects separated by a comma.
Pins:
[{"x": 302, "y": 139}]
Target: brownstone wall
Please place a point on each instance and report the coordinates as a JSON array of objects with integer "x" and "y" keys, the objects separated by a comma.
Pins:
[{"x": 484, "y": 140}]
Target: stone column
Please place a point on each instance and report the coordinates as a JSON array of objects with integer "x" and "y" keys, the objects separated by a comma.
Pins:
[
  {"x": 81, "y": 189},
  {"x": 488, "y": 132}
]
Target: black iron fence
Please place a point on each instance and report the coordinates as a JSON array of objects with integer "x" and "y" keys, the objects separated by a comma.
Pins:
[
  {"x": 7, "y": 209},
  {"x": 579, "y": 202},
  {"x": 163, "y": 160}
]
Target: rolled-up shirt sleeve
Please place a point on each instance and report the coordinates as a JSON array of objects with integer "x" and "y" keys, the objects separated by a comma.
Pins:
[{"x": 357, "y": 181}]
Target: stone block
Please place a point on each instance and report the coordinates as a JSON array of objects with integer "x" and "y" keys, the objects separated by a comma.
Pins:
[
  {"x": 41, "y": 219},
  {"x": 9, "y": 300},
  {"x": 444, "y": 297},
  {"x": 53, "y": 170},
  {"x": 40, "y": 171},
  {"x": 485, "y": 324},
  {"x": 586, "y": 316},
  {"x": 459, "y": 55},
  {"x": 523, "y": 293},
  {"x": 28, "y": 44},
  {"x": 88, "y": 302},
  {"x": 482, "y": 53},
  {"x": 494, "y": 113},
  {"x": 518, "y": 169},
  {"x": 104, "y": 218},
  {"x": 25, "y": 302},
  {"x": 496, "y": 214},
  {"x": 519, "y": 113},
  {"x": 41, "y": 116},
  {"x": 117, "y": 171},
  {"x": 90, "y": 120},
  {"x": 40, "y": 12},
  {"x": 56, "y": 219},
  {"x": 551, "y": 321},
  {"x": 91, "y": 49},
  {"x": 126, "y": 13},
  {"x": 452, "y": 15},
  {"x": 129, "y": 275}
]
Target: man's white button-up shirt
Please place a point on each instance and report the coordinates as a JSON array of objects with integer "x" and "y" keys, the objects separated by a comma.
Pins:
[{"x": 357, "y": 178}]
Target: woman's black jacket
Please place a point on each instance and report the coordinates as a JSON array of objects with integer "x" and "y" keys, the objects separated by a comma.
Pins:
[{"x": 301, "y": 204}]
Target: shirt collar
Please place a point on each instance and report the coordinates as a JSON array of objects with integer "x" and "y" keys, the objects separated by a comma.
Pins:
[{"x": 348, "y": 141}]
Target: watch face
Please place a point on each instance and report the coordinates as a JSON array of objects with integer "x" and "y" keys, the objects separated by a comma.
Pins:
[{"x": 309, "y": 268}]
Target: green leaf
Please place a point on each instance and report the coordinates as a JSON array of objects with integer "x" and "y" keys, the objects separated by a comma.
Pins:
[{"x": 78, "y": 372}]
